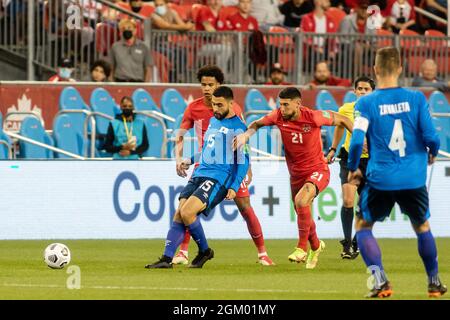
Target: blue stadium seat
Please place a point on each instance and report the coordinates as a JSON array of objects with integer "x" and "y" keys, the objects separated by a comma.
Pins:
[
  {"x": 190, "y": 146},
  {"x": 255, "y": 100},
  {"x": 5, "y": 139},
  {"x": 67, "y": 137},
  {"x": 32, "y": 128},
  {"x": 102, "y": 101},
  {"x": 143, "y": 101},
  {"x": 70, "y": 99},
  {"x": 350, "y": 96},
  {"x": 442, "y": 126},
  {"x": 325, "y": 101},
  {"x": 438, "y": 102},
  {"x": 156, "y": 133},
  {"x": 173, "y": 105}
]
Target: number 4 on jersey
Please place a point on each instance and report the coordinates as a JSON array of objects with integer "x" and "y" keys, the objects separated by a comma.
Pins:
[{"x": 397, "y": 141}]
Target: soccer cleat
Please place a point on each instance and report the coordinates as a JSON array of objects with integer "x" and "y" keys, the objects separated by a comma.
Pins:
[
  {"x": 299, "y": 255},
  {"x": 164, "y": 262},
  {"x": 265, "y": 261},
  {"x": 355, "y": 249},
  {"x": 181, "y": 258},
  {"x": 385, "y": 291},
  {"x": 346, "y": 250},
  {"x": 313, "y": 256},
  {"x": 436, "y": 291},
  {"x": 201, "y": 258}
]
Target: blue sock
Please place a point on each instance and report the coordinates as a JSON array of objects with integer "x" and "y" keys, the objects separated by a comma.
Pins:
[
  {"x": 428, "y": 253},
  {"x": 174, "y": 238},
  {"x": 197, "y": 233},
  {"x": 370, "y": 251}
]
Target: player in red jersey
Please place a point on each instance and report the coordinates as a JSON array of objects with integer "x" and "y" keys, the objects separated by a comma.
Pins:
[
  {"x": 300, "y": 131},
  {"x": 197, "y": 115}
]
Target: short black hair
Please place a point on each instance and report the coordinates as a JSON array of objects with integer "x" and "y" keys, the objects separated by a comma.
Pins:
[
  {"x": 223, "y": 92},
  {"x": 104, "y": 64},
  {"x": 290, "y": 93},
  {"x": 365, "y": 79},
  {"x": 127, "y": 98},
  {"x": 210, "y": 71}
]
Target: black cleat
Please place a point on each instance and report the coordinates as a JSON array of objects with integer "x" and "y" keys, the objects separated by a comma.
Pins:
[
  {"x": 384, "y": 291},
  {"x": 346, "y": 250},
  {"x": 201, "y": 258},
  {"x": 164, "y": 262},
  {"x": 355, "y": 249},
  {"x": 436, "y": 291}
]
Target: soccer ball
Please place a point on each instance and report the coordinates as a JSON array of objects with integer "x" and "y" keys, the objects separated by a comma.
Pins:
[{"x": 57, "y": 255}]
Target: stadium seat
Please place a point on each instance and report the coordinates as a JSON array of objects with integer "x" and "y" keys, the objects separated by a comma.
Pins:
[
  {"x": 442, "y": 126},
  {"x": 157, "y": 137},
  {"x": 435, "y": 44},
  {"x": 350, "y": 96},
  {"x": 103, "y": 102},
  {"x": 190, "y": 144},
  {"x": 70, "y": 99},
  {"x": 67, "y": 137},
  {"x": 386, "y": 38},
  {"x": 438, "y": 102},
  {"x": 143, "y": 101},
  {"x": 105, "y": 35},
  {"x": 163, "y": 65},
  {"x": 336, "y": 14},
  {"x": 173, "y": 105},
  {"x": 325, "y": 101},
  {"x": 5, "y": 141},
  {"x": 32, "y": 128},
  {"x": 407, "y": 42},
  {"x": 255, "y": 100}
]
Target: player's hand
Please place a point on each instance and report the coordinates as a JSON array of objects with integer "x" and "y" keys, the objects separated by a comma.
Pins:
[
  {"x": 231, "y": 194},
  {"x": 354, "y": 177},
  {"x": 239, "y": 141},
  {"x": 431, "y": 158},
  {"x": 365, "y": 147},
  {"x": 182, "y": 166},
  {"x": 330, "y": 156},
  {"x": 124, "y": 153}
]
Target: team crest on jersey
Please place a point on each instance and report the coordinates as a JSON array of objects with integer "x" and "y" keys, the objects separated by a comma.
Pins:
[
  {"x": 306, "y": 128},
  {"x": 223, "y": 130},
  {"x": 326, "y": 114}
]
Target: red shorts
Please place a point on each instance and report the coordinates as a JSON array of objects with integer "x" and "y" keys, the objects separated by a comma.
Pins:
[{"x": 320, "y": 177}]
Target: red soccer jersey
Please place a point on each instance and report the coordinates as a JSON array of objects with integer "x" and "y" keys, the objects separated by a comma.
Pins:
[
  {"x": 219, "y": 22},
  {"x": 302, "y": 139},
  {"x": 198, "y": 114},
  {"x": 239, "y": 23}
]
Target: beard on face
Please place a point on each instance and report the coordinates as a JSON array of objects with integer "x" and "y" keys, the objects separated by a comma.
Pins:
[{"x": 220, "y": 116}]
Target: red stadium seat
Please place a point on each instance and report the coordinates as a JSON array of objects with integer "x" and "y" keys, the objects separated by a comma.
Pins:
[
  {"x": 336, "y": 15},
  {"x": 285, "y": 47},
  {"x": 105, "y": 37},
  {"x": 163, "y": 65},
  {"x": 281, "y": 42},
  {"x": 435, "y": 44},
  {"x": 409, "y": 43},
  {"x": 384, "y": 41}
]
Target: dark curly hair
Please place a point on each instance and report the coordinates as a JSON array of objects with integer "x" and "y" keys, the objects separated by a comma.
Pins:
[
  {"x": 104, "y": 65},
  {"x": 210, "y": 71}
]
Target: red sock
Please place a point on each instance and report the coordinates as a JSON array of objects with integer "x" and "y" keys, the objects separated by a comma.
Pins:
[
  {"x": 313, "y": 239},
  {"x": 304, "y": 225},
  {"x": 254, "y": 228},
  {"x": 185, "y": 244}
]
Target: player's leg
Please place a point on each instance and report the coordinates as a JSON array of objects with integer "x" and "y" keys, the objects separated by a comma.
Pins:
[
  {"x": 242, "y": 201},
  {"x": 174, "y": 237},
  {"x": 182, "y": 257},
  {"x": 348, "y": 197},
  {"x": 415, "y": 204},
  {"x": 374, "y": 206}
]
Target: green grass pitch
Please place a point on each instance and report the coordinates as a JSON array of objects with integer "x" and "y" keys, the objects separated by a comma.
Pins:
[{"x": 114, "y": 269}]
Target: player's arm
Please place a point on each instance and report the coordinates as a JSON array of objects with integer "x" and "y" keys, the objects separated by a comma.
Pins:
[
  {"x": 341, "y": 121},
  {"x": 186, "y": 124},
  {"x": 357, "y": 142},
  {"x": 241, "y": 139},
  {"x": 337, "y": 137},
  {"x": 243, "y": 164},
  {"x": 429, "y": 134}
]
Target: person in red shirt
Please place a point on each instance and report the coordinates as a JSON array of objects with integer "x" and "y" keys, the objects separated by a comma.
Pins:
[
  {"x": 242, "y": 20},
  {"x": 277, "y": 75},
  {"x": 323, "y": 77},
  {"x": 211, "y": 17},
  {"x": 197, "y": 115},
  {"x": 309, "y": 174}
]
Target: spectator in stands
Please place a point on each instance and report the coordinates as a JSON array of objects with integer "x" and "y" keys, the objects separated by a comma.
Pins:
[
  {"x": 100, "y": 71},
  {"x": 401, "y": 15},
  {"x": 127, "y": 135},
  {"x": 277, "y": 75},
  {"x": 428, "y": 77},
  {"x": 357, "y": 22},
  {"x": 323, "y": 77},
  {"x": 131, "y": 59},
  {"x": 319, "y": 21},
  {"x": 64, "y": 71},
  {"x": 294, "y": 10},
  {"x": 138, "y": 7},
  {"x": 211, "y": 17},
  {"x": 167, "y": 19},
  {"x": 242, "y": 20},
  {"x": 267, "y": 13}
]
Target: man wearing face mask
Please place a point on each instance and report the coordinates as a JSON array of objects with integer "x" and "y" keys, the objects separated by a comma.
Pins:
[
  {"x": 137, "y": 6},
  {"x": 64, "y": 70},
  {"x": 130, "y": 57},
  {"x": 127, "y": 136}
]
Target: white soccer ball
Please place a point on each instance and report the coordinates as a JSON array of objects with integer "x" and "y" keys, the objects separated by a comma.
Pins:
[{"x": 57, "y": 255}]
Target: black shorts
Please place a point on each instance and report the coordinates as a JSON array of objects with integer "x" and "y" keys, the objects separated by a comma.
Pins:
[
  {"x": 376, "y": 205},
  {"x": 209, "y": 191},
  {"x": 343, "y": 173}
]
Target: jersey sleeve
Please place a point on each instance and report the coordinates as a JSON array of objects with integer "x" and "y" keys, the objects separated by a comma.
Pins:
[
  {"x": 429, "y": 134},
  {"x": 242, "y": 158},
  {"x": 322, "y": 118},
  {"x": 360, "y": 126},
  {"x": 271, "y": 118},
  {"x": 187, "y": 122}
]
